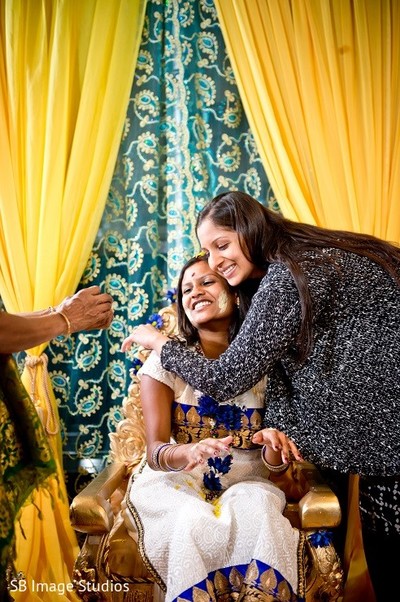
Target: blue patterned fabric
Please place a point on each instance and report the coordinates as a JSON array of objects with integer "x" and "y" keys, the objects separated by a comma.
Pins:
[
  {"x": 208, "y": 419},
  {"x": 186, "y": 138},
  {"x": 253, "y": 581}
]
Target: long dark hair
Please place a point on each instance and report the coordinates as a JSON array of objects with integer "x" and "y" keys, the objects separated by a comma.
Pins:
[
  {"x": 266, "y": 236},
  {"x": 186, "y": 328}
]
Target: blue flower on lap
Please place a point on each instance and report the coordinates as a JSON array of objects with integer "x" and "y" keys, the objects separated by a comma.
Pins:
[
  {"x": 230, "y": 416},
  {"x": 222, "y": 465},
  {"x": 212, "y": 482}
]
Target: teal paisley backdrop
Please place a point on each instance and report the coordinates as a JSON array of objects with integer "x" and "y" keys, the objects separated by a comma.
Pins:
[{"x": 186, "y": 138}]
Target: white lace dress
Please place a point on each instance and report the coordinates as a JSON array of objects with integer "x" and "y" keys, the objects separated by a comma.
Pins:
[{"x": 218, "y": 531}]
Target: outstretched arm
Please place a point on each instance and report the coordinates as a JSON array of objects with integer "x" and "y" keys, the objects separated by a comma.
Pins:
[
  {"x": 269, "y": 330},
  {"x": 88, "y": 309}
]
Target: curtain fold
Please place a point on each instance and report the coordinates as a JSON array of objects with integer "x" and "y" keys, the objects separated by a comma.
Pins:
[
  {"x": 66, "y": 70},
  {"x": 319, "y": 80}
]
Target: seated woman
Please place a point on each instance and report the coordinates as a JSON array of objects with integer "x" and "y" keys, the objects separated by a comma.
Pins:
[{"x": 209, "y": 520}]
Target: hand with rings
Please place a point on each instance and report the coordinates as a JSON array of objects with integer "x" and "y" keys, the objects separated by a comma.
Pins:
[
  {"x": 278, "y": 442},
  {"x": 207, "y": 448}
]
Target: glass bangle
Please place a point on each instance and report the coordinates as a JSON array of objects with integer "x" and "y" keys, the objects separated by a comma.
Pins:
[{"x": 271, "y": 467}]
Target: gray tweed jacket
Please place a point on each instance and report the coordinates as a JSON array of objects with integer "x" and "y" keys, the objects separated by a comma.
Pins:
[{"x": 342, "y": 405}]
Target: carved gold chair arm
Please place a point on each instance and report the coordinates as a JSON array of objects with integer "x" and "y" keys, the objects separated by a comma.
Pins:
[
  {"x": 91, "y": 511},
  {"x": 319, "y": 507},
  {"x": 311, "y": 502}
]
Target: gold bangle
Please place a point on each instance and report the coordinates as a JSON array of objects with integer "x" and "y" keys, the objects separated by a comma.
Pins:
[
  {"x": 166, "y": 455},
  {"x": 271, "y": 467},
  {"x": 66, "y": 320},
  {"x": 53, "y": 310}
]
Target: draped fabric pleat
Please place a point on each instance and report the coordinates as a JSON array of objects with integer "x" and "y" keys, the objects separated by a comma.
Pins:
[
  {"x": 66, "y": 71},
  {"x": 319, "y": 81}
]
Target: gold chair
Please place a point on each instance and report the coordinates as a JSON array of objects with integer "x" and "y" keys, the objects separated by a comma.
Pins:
[{"x": 109, "y": 567}]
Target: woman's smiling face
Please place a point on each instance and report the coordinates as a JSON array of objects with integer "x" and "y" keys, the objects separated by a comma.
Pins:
[
  {"x": 225, "y": 254},
  {"x": 205, "y": 295}
]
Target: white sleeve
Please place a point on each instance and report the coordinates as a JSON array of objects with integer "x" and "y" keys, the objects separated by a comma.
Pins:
[{"x": 152, "y": 367}]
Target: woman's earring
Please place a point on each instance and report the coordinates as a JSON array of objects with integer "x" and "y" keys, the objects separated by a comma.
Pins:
[{"x": 237, "y": 301}]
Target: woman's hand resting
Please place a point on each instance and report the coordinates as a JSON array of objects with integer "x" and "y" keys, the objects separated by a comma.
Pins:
[
  {"x": 199, "y": 452},
  {"x": 278, "y": 446}
]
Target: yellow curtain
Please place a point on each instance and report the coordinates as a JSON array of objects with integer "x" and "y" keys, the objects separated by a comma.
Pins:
[
  {"x": 319, "y": 81},
  {"x": 66, "y": 70}
]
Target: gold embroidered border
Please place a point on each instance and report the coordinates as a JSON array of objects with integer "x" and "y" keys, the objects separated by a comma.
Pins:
[
  {"x": 301, "y": 565},
  {"x": 139, "y": 526}
]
